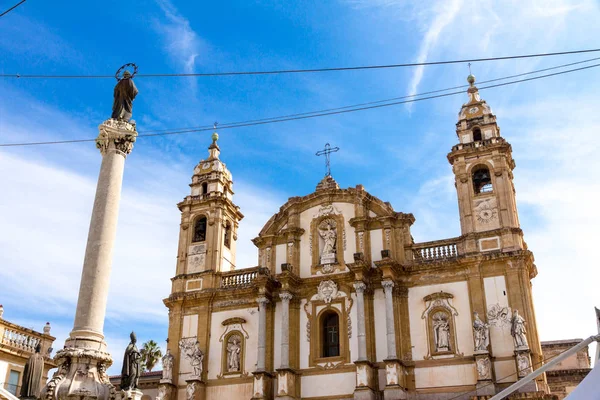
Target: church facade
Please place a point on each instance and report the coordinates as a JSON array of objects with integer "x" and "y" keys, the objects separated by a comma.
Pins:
[{"x": 343, "y": 304}]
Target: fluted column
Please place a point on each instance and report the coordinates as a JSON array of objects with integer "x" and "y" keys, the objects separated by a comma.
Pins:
[
  {"x": 285, "y": 328},
  {"x": 360, "y": 310},
  {"x": 388, "y": 287},
  {"x": 262, "y": 333},
  {"x": 85, "y": 349}
]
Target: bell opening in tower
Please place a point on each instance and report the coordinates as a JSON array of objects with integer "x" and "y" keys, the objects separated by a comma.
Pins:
[
  {"x": 482, "y": 181},
  {"x": 477, "y": 135}
]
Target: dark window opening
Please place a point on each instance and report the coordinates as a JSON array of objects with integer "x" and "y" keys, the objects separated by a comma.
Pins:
[
  {"x": 482, "y": 181},
  {"x": 477, "y": 135},
  {"x": 200, "y": 230},
  {"x": 227, "y": 240},
  {"x": 331, "y": 334},
  {"x": 204, "y": 188}
]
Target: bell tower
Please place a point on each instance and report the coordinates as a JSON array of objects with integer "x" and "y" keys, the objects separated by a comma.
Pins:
[
  {"x": 209, "y": 218},
  {"x": 482, "y": 164}
]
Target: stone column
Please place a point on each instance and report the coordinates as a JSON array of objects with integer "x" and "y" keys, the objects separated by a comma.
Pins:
[
  {"x": 85, "y": 349},
  {"x": 388, "y": 286},
  {"x": 262, "y": 333},
  {"x": 360, "y": 311},
  {"x": 285, "y": 329}
]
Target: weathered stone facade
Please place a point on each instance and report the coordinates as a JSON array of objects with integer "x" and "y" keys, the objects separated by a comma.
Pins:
[
  {"x": 566, "y": 375},
  {"x": 344, "y": 304}
]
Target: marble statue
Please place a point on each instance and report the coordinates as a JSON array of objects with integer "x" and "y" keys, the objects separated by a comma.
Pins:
[
  {"x": 131, "y": 370},
  {"x": 233, "y": 353},
  {"x": 196, "y": 358},
  {"x": 124, "y": 93},
  {"x": 167, "y": 363},
  {"x": 329, "y": 237},
  {"x": 441, "y": 332},
  {"x": 32, "y": 375},
  {"x": 481, "y": 332},
  {"x": 518, "y": 332}
]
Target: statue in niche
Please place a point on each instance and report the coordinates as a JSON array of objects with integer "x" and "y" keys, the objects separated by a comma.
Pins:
[
  {"x": 124, "y": 93},
  {"x": 130, "y": 372},
  {"x": 234, "y": 350},
  {"x": 32, "y": 375},
  {"x": 518, "y": 331},
  {"x": 441, "y": 332},
  {"x": 328, "y": 232},
  {"x": 481, "y": 332},
  {"x": 167, "y": 363}
]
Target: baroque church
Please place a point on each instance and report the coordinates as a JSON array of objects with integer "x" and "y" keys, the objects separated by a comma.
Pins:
[{"x": 343, "y": 303}]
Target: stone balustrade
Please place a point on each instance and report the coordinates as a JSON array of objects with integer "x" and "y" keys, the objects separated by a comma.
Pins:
[
  {"x": 437, "y": 250},
  {"x": 20, "y": 340},
  {"x": 479, "y": 143},
  {"x": 238, "y": 278}
]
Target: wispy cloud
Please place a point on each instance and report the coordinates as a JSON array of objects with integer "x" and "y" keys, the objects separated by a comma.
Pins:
[{"x": 180, "y": 40}]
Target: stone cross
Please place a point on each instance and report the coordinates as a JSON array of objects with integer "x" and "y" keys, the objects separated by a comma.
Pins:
[{"x": 326, "y": 152}]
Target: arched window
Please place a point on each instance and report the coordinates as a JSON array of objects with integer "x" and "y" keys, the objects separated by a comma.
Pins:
[
  {"x": 482, "y": 181},
  {"x": 200, "y": 230},
  {"x": 477, "y": 135},
  {"x": 330, "y": 326},
  {"x": 227, "y": 240},
  {"x": 204, "y": 188}
]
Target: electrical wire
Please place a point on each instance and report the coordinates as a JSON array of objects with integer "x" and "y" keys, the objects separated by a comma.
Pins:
[
  {"x": 382, "y": 101},
  {"x": 321, "y": 114},
  {"x": 296, "y": 71},
  {"x": 12, "y": 8}
]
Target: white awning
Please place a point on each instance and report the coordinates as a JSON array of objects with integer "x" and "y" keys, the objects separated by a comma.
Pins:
[{"x": 589, "y": 388}]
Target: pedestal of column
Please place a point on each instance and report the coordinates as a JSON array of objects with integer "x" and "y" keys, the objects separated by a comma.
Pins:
[
  {"x": 287, "y": 384},
  {"x": 523, "y": 361},
  {"x": 394, "y": 380},
  {"x": 483, "y": 364},
  {"x": 262, "y": 386},
  {"x": 166, "y": 390},
  {"x": 195, "y": 389},
  {"x": 83, "y": 361},
  {"x": 366, "y": 381},
  {"x": 133, "y": 394}
]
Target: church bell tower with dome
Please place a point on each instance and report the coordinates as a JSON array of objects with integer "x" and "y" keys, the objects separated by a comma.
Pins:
[{"x": 482, "y": 164}]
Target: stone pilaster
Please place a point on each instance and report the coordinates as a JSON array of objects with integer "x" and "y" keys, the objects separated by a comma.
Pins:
[
  {"x": 85, "y": 349},
  {"x": 361, "y": 328},
  {"x": 262, "y": 332},
  {"x": 285, "y": 328},
  {"x": 393, "y": 368}
]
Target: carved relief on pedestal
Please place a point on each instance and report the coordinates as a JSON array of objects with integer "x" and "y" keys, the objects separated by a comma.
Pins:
[
  {"x": 484, "y": 368},
  {"x": 439, "y": 316},
  {"x": 196, "y": 258},
  {"x": 523, "y": 364}
]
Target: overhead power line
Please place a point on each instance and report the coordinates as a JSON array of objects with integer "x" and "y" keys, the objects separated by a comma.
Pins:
[
  {"x": 380, "y": 101},
  {"x": 313, "y": 115},
  {"x": 297, "y": 71},
  {"x": 12, "y": 8}
]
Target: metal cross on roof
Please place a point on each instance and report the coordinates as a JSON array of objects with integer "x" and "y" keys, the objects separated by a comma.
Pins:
[{"x": 325, "y": 152}]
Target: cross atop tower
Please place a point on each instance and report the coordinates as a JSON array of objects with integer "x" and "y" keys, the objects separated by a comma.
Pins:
[{"x": 326, "y": 152}]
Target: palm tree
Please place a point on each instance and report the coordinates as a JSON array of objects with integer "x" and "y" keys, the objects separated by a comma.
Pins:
[{"x": 151, "y": 353}]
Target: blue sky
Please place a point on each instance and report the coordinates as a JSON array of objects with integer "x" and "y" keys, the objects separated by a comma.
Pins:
[{"x": 398, "y": 153}]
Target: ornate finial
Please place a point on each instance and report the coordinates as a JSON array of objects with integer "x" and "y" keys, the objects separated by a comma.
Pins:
[
  {"x": 326, "y": 152},
  {"x": 471, "y": 77},
  {"x": 215, "y": 135}
]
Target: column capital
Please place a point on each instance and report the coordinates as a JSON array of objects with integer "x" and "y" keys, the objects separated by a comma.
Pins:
[
  {"x": 387, "y": 285},
  {"x": 121, "y": 134},
  {"x": 360, "y": 287},
  {"x": 285, "y": 296},
  {"x": 262, "y": 301}
]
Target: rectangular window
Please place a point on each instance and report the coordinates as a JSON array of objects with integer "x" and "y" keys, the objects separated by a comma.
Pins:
[{"x": 13, "y": 382}]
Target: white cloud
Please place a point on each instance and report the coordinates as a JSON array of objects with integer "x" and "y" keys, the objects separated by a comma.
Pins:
[{"x": 180, "y": 40}]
